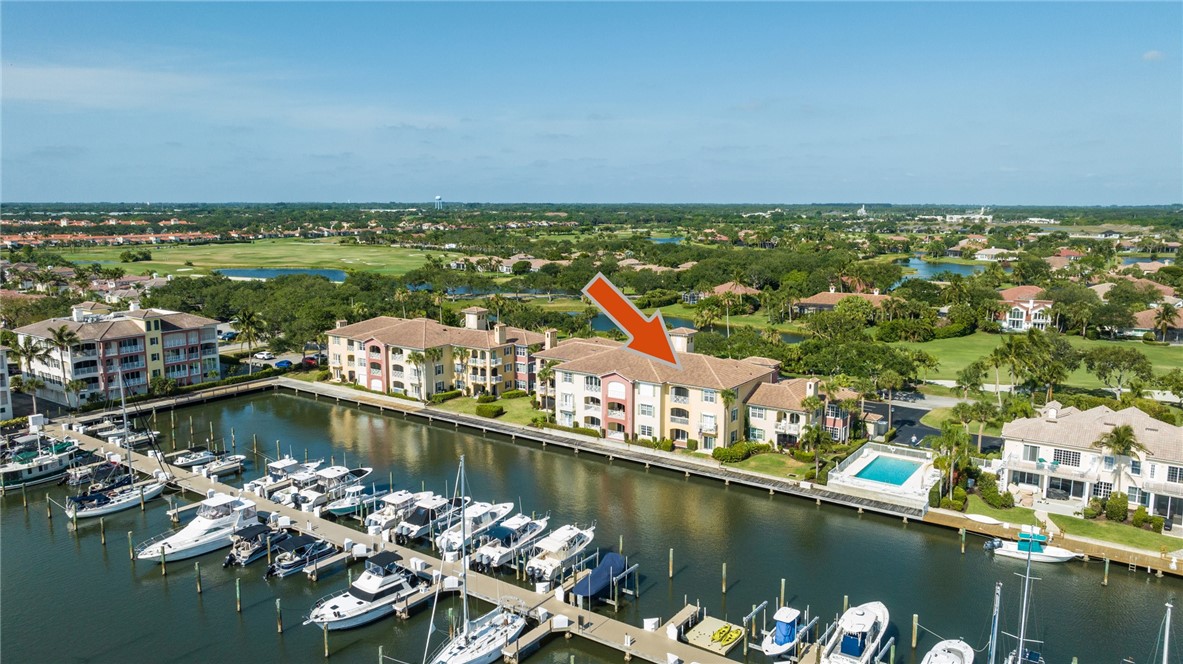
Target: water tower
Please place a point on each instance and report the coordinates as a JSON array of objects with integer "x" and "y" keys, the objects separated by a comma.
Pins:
[{"x": 439, "y": 202}]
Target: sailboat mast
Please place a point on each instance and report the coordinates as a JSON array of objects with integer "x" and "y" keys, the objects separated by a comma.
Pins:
[
  {"x": 463, "y": 539},
  {"x": 1166, "y": 633},
  {"x": 1026, "y": 591},
  {"x": 994, "y": 623}
]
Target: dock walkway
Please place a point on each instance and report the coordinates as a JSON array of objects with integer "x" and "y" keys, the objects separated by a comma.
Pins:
[{"x": 647, "y": 646}]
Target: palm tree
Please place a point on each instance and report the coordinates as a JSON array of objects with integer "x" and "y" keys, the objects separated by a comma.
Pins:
[
  {"x": 771, "y": 335},
  {"x": 29, "y": 385},
  {"x": 432, "y": 355},
  {"x": 438, "y": 298},
  {"x": 815, "y": 437},
  {"x": 419, "y": 359},
  {"x": 952, "y": 442},
  {"x": 544, "y": 376},
  {"x": 400, "y": 296},
  {"x": 1164, "y": 318},
  {"x": 28, "y": 352},
  {"x": 1013, "y": 352},
  {"x": 891, "y": 381},
  {"x": 984, "y": 413},
  {"x": 729, "y": 398},
  {"x": 74, "y": 388},
  {"x": 996, "y": 362},
  {"x": 63, "y": 338},
  {"x": 728, "y": 299},
  {"x": 250, "y": 331},
  {"x": 495, "y": 302},
  {"x": 706, "y": 317},
  {"x": 963, "y": 412},
  {"x": 1122, "y": 443}
]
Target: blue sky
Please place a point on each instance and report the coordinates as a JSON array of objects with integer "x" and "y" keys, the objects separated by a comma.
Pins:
[{"x": 992, "y": 103}]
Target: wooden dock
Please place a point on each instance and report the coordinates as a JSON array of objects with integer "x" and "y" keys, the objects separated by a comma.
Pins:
[{"x": 633, "y": 641}]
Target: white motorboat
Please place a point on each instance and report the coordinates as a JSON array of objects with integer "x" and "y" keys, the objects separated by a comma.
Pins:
[
  {"x": 277, "y": 473},
  {"x": 355, "y": 499},
  {"x": 429, "y": 514},
  {"x": 334, "y": 480},
  {"x": 478, "y": 641},
  {"x": 224, "y": 465},
  {"x": 194, "y": 457},
  {"x": 505, "y": 540},
  {"x": 783, "y": 638},
  {"x": 395, "y": 507},
  {"x": 372, "y": 596},
  {"x": 478, "y": 518},
  {"x": 857, "y": 636},
  {"x": 1033, "y": 544},
  {"x": 554, "y": 551},
  {"x": 950, "y": 651},
  {"x": 47, "y": 463},
  {"x": 294, "y": 484},
  {"x": 252, "y": 543},
  {"x": 217, "y": 520},
  {"x": 116, "y": 500},
  {"x": 298, "y": 552}
]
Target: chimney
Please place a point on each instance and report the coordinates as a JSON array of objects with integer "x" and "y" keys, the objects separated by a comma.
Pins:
[
  {"x": 552, "y": 339},
  {"x": 811, "y": 387},
  {"x": 134, "y": 305},
  {"x": 76, "y": 314},
  {"x": 682, "y": 339},
  {"x": 475, "y": 318},
  {"x": 499, "y": 333},
  {"x": 341, "y": 322},
  {"x": 1050, "y": 414},
  {"x": 876, "y": 291},
  {"x": 831, "y": 288}
]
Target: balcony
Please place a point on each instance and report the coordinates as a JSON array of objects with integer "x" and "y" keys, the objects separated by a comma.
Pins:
[
  {"x": 179, "y": 374},
  {"x": 677, "y": 398},
  {"x": 616, "y": 414},
  {"x": 174, "y": 342},
  {"x": 127, "y": 350},
  {"x": 86, "y": 354},
  {"x": 139, "y": 364},
  {"x": 375, "y": 356},
  {"x": 784, "y": 426},
  {"x": 375, "y": 372},
  {"x": 1167, "y": 488},
  {"x": 1052, "y": 467},
  {"x": 85, "y": 371},
  {"x": 679, "y": 420},
  {"x": 707, "y": 427},
  {"x": 397, "y": 374}
]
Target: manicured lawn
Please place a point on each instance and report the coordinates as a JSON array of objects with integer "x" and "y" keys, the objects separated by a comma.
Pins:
[
  {"x": 517, "y": 411},
  {"x": 779, "y": 465},
  {"x": 1119, "y": 533},
  {"x": 286, "y": 252},
  {"x": 938, "y": 416},
  {"x": 955, "y": 354},
  {"x": 1015, "y": 515}
]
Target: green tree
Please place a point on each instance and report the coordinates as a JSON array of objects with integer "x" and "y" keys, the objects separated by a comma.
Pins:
[
  {"x": 1164, "y": 319},
  {"x": 815, "y": 438},
  {"x": 29, "y": 352},
  {"x": 1122, "y": 443},
  {"x": 1114, "y": 365},
  {"x": 963, "y": 412},
  {"x": 431, "y": 356},
  {"x": 73, "y": 388},
  {"x": 28, "y": 384},
  {"x": 891, "y": 381},
  {"x": 952, "y": 444},
  {"x": 250, "y": 326},
  {"x": 984, "y": 413},
  {"x": 969, "y": 379}
]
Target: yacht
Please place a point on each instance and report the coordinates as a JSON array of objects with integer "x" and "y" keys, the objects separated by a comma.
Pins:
[
  {"x": 857, "y": 636},
  {"x": 334, "y": 480},
  {"x": 478, "y": 641},
  {"x": 48, "y": 462},
  {"x": 373, "y": 595},
  {"x": 555, "y": 550},
  {"x": 278, "y": 472},
  {"x": 298, "y": 552},
  {"x": 1031, "y": 543},
  {"x": 101, "y": 503},
  {"x": 224, "y": 465},
  {"x": 504, "y": 541},
  {"x": 218, "y": 518},
  {"x": 395, "y": 507},
  {"x": 252, "y": 543},
  {"x": 478, "y": 518},
  {"x": 782, "y": 640},
  {"x": 195, "y": 456},
  {"x": 427, "y": 516},
  {"x": 354, "y": 499},
  {"x": 950, "y": 651}
]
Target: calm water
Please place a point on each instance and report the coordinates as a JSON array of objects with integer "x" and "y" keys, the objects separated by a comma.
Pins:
[
  {"x": 68, "y": 598},
  {"x": 273, "y": 272},
  {"x": 666, "y": 240},
  {"x": 927, "y": 270}
]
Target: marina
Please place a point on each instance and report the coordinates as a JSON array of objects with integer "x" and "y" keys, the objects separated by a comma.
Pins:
[{"x": 634, "y": 513}]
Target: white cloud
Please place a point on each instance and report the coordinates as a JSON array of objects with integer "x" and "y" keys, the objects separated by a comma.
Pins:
[
  {"x": 1152, "y": 55},
  {"x": 98, "y": 87}
]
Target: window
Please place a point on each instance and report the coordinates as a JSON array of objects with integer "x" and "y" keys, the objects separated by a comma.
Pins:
[
  {"x": 755, "y": 434},
  {"x": 521, "y": 367},
  {"x": 1019, "y": 477},
  {"x": 1102, "y": 489},
  {"x": 1139, "y": 496},
  {"x": 645, "y": 410},
  {"x": 591, "y": 383},
  {"x": 756, "y": 413},
  {"x": 1109, "y": 462},
  {"x": 645, "y": 430},
  {"x": 1066, "y": 458},
  {"x": 617, "y": 390},
  {"x": 680, "y": 435},
  {"x": 794, "y": 418},
  {"x": 155, "y": 357},
  {"x": 734, "y": 436},
  {"x": 1135, "y": 467},
  {"x": 568, "y": 377},
  {"x": 1175, "y": 474},
  {"x": 648, "y": 390},
  {"x": 708, "y": 443},
  {"x": 1031, "y": 453},
  {"x": 567, "y": 400},
  {"x": 521, "y": 384},
  {"x": 439, "y": 386},
  {"x": 734, "y": 414},
  {"x": 521, "y": 350},
  {"x": 156, "y": 373},
  {"x": 336, "y": 358},
  {"x": 154, "y": 340},
  {"x": 710, "y": 396}
]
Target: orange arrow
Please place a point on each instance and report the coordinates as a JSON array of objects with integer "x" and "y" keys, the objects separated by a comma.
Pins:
[{"x": 647, "y": 336}]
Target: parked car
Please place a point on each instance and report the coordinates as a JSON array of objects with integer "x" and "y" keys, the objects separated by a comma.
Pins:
[
  {"x": 283, "y": 364},
  {"x": 230, "y": 335},
  {"x": 319, "y": 357},
  {"x": 264, "y": 355},
  {"x": 309, "y": 362}
]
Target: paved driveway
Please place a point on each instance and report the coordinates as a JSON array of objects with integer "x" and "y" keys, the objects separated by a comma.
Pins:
[{"x": 906, "y": 420}]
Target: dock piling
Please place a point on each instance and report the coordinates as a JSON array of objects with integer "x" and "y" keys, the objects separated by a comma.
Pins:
[
  {"x": 48, "y": 509},
  {"x": 961, "y": 531},
  {"x": 233, "y": 442},
  {"x": 197, "y": 571},
  {"x": 131, "y": 552},
  {"x": 278, "y": 617},
  {"x": 238, "y": 595},
  {"x": 269, "y": 549},
  {"x": 724, "y": 578},
  {"x": 671, "y": 562},
  {"x": 845, "y": 603},
  {"x": 102, "y": 532},
  {"x": 142, "y": 507},
  {"x": 915, "y": 629},
  {"x": 782, "y": 593},
  {"x": 892, "y": 651},
  {"x": 324, "y": 629},
  {"x": 25, "y": 496},
  {"x": 163, "y": 563},
  {"x": 620, "y": 545},
  {"x": 1105, "y": 579}
]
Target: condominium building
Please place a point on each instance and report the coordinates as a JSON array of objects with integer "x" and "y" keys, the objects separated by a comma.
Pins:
[
  {"x": 137, "y": 344},
  {"x": 419, "y": 357},
  {"x": 5, "y": 394},
  {"x": 601, "y": 385},
  {"x": 778, "y": 414},
  {"x": 1054, "y": 457}
]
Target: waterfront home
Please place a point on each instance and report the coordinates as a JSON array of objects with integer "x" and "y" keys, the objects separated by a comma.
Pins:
[
  {"x": 1145, "y": 324},
  {"x": 419, "y": 357},
  {"x": 1023, "y": 311},
  {"x": 1052, "y": 456},
  {"x": 600, "y": 384},
  {"x": 139, "y": 344},
  {"x": 777, "y": 413},
  {"x": 738, "y": 289},
  {"x": 828, "y": 300},
  {"x": 992, "y": 254}
]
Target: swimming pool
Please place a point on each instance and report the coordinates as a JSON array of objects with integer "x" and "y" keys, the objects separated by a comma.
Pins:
[{"x": 888, "y": 470}]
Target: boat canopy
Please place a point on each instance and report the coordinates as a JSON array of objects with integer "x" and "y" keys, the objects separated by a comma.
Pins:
[
  {"x": 382, "y": 561},
  {"x": 283, "y": 464},
  {"x": 297, "y": 542},
  {"x": 853, "y": 644},
  {"x": 252, "y": 531},
  {"x": 610, "y": 566},
  {"x": 333, "y": 472},
  {"x": 786, "y": 625}
]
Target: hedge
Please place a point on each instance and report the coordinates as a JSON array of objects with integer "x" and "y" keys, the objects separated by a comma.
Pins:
[
  {"x": 15, "y": 422},
  {"x": 486, "y": 398},
  {"x": 186, "y": 389},
  {"x": 954, "y": 330},
  {"x": 739, "y": 451},
  {"x": 583, "y": 430},
  {"x": 440, "y": 397},
  {"x": 489, "y": 410},
  {"x": 987, "y": 488},
  {"x": 514, "y": 394}
]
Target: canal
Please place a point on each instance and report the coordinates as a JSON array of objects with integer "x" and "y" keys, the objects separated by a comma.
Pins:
[{"x": 66, "y": 597}]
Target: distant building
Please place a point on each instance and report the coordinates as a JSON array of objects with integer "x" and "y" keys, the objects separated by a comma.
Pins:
[
  {"x": 5, "y": 393},
  {"x": 827, "y": 301},
  {"x": 777, "y": 414}
]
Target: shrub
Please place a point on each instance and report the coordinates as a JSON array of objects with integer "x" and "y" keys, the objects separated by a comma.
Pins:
[
  {"x": 323, "y": 375},
  {"x": 1141, "y": 516},
  {"x": 987, "y": 488},
  {"x": 1089, "y": 513},
  {"x": 15, "y": 422},
  {"x": 514, "y": 394},
  {"x": 1117, "y": 507},
  {"x": 934, "y": 495},
  {"x": 440, "y": 397},
  {"x": 1008, "y": 500},
  {"x": 1091, "y": 335},
  {"x": 489, "y": 410},
  {"x": 581, "y": 430},
  {"x": 486, "y": 398},
  {"x": 946, "y": 503},
  {"x": 1156, "y": 523},
  {"x": 889, "y": 435},
  {"x": 1149, "y": 336},
  {"x": 737, "y": 452},
  {"x": 950, "y": 331},
  {"x": 803, "y": 456},
  {"x": 959, "y": 495},
  {"x": 824, "y": 476},
  {"x": 665, "y": 445},
  {"x": 692, "y": 445}
]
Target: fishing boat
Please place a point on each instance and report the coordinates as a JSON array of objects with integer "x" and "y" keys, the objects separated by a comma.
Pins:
[
  {"x": 478, "y": 518},
  {"x": 296, "y": 482},
  {"x": 554, "y": 551},
  {"x": 278, "y": 472},
  {"x": 355, "y": 499},
  {"x": 478, "y": 641},
  {"x": 950, "y": 651},
  {"x": 218, "y": 518},
  {"x": 783, "y": 638},
  {"x": 427, "y": 516},
  {"x": 252, "y": 543},
  {"x": 504, "y": 541},
  {"x": 48, "y": 462},
  {"x": 195, "y": 456},
  {"x": 373, "y": 595},
  {"x": 857, "y": 635},
  {"x": 225, "y": 465},
  {"x": 1031, "y": 543},
  {"x": 395, "y": 507},
  {"x": 297, "y": 552}
]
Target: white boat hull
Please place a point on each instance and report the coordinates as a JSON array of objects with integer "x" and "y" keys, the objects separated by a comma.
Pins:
[
  {"x": 1050, "y": 554},
  {"x": 376, "y": 613},
  {"x": 190, "y": 551},
  {"x": 483, "y": 640},
  {"x": 126, "y": 501},
  {"x": 951, "y": 651}
]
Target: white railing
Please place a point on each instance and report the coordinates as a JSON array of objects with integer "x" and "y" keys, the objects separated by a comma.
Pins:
[
  {"x": 174, "y": 343},
  {"x": 617, "y": 414},
  {"x": 679, "y": 420},
  {"x": 124, "y": 350},
  {"x": 680, "y": 399},
  {"x": 784, "y": 426},
  {"x": 85, "y": 371},
  {"x": 396, "y": 374},
  {"x": 708, "y": 428}
]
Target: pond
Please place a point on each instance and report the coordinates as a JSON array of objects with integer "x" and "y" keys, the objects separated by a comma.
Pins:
[{"x": 273, "y": 272}]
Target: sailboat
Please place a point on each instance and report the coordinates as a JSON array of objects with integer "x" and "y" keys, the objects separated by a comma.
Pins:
[
  {"x": 127, "y": 496},
  {"x": 478, "y": 641},
  {"x": 1022, "y": 654}
]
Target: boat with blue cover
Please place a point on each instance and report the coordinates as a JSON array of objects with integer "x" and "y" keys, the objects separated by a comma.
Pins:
[
  {"x": 611, "y": 566},
  {"x": 784, "y": 637},
  {"x": 1033, "y": 543}
]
